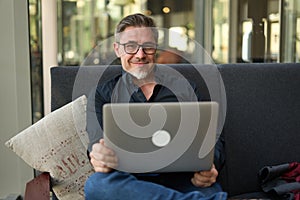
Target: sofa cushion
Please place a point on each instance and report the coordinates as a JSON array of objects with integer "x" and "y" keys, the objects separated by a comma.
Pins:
[{"x": 57, "y": 144}]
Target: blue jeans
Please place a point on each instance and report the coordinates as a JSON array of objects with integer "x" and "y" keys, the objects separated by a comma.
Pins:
[{"x": 124, "y": 186}]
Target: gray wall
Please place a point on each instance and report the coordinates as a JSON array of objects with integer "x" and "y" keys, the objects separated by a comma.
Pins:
[{"x": 15, "y": 103}]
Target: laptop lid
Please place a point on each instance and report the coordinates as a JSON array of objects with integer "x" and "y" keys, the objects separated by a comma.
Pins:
[{"x": 161, "y": 137}]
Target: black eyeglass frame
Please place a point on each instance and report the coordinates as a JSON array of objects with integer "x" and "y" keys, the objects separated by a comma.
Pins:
[{"x": 139, "y": 46}]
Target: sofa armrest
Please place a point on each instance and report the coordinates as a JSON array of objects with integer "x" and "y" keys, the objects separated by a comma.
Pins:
[{"x": 38, "y": 188}]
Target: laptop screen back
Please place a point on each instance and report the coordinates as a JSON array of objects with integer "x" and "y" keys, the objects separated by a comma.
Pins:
[{"x": 161, "y": 137}]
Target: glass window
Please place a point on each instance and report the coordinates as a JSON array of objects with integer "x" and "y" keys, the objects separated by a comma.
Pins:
[
  {"x": 35, "y": 31},
  {"x": 82, "y": 24},
  {"x": 290, "y": 31},
  {"x": 220, "y": 14},
  {"x": 86, "y": 27}
]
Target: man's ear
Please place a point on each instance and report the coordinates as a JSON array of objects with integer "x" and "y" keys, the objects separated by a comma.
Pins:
[{"x": 116, "y": 48}]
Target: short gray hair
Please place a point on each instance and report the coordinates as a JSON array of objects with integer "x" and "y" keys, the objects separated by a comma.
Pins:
[{"x": 136, "y": 20}]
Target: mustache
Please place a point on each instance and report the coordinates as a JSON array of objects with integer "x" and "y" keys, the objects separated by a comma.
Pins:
[{"x": 140, "y": 60}]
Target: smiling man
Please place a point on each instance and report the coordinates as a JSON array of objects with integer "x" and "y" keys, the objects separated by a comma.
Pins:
[
  {"x": 142, "y": 81},
  {"x": 136, "y": 47}
]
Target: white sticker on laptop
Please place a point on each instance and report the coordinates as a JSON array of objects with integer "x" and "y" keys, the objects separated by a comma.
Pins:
[{"x": 161, "y": 138}]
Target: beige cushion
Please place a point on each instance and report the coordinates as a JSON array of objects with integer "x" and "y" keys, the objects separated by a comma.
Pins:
[{"x": 57, "y": 144}]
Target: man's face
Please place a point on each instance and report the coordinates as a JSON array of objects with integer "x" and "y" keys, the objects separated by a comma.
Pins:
[{"x": 139, "y": 64}]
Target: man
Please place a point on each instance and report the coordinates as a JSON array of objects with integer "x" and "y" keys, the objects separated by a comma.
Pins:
[{"x": 141, "y": 81}]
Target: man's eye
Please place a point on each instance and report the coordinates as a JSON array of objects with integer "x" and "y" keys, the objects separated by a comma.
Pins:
[
  {"x": 149, "y": 46},
  {"x": 132, "y": 46}
]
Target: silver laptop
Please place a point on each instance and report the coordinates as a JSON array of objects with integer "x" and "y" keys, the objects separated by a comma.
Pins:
[{"x": 161, "y": 137}]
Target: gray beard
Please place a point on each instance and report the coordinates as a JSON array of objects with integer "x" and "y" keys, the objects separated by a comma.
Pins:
[{"x": 139, "y": 75}]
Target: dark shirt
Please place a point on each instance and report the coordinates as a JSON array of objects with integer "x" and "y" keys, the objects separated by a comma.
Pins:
[{"x": 171, "y": 87}]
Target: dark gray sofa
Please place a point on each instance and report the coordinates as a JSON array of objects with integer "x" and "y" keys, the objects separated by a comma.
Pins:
[{"x": 262, "y": 124}]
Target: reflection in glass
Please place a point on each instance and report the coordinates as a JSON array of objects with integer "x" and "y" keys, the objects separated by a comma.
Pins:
[
  {"x": 290, "y": 31},
  {"x": 221, "y": 30},
  {"x": 36, "y": 60}
]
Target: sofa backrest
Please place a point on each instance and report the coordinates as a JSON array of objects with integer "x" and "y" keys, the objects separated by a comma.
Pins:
[
  {"x": 262, "y": 124},
  {"x": 70, "y": 82}
]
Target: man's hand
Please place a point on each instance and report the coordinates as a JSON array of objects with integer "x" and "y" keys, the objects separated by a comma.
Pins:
[
  {"x": 205, "y": 178},
  {"x": 103, "y": 158}
]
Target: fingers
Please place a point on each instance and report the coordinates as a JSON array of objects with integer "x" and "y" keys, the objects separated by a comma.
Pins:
[
  {"x": 205, "y": 178},
  {"x": 100, "y": 167},
  {"x": 103, "y": 158}
]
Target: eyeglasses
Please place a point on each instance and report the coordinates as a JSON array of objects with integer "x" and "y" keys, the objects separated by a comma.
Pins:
[{"x": 133, "y": 47}]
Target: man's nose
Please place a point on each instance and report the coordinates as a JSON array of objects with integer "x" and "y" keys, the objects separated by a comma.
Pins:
[{"x": 140, "y": 53}]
